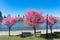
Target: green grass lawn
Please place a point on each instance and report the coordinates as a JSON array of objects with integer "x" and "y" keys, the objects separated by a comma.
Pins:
[
  {"x": 56, "y": 36},
  {"x": 19, "y": 38}
]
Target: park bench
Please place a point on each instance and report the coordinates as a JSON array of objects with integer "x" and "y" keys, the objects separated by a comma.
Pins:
[{"x": 26, "y": 34}]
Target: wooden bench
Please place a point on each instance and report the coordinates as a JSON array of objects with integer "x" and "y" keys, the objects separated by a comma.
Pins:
[{"x": 26, "y": 34}]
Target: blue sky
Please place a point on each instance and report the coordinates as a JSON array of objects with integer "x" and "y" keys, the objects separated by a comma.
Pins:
[{"x": 15, "y": 7}]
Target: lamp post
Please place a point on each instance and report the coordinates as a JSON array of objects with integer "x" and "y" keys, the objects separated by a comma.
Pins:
[{"x": 47, "y": 27}]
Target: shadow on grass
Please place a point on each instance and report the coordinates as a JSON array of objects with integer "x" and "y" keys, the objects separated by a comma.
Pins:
[
  {"x": 25, "y": 34},
  {"x": 54, "y": 35}
]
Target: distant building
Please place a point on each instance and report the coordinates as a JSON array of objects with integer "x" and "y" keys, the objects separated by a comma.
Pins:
[
  {"x": 19, "y": 16},
  {"x": 23, "y": 16},
  {"x": 58, "y": 18},
  {"x": 8, "y": 15},
  {"x": 5, "y": 16}
]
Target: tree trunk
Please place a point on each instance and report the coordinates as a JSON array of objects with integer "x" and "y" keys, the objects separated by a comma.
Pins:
[
  {"x": 9, "y": 31},
  {"x": 34, "y": 31}
]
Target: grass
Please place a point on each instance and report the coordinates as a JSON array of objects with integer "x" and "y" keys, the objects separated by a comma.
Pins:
[
  {"x": 26, "y": 38},
  {"x": 19, "y": 38},
  {"x": 56, "y": 37}
]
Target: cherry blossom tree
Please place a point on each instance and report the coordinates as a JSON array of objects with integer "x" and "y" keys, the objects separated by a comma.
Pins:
[
  {"x": 10, "y": 21},
  {"x": 51, "y": 21},
  {"x": 33, "y": 18}
]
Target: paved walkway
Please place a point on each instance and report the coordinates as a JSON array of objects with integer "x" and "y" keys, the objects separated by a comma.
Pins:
[
  {"x": 20, "y": 31},
  {"x": 56, "y": 39}
]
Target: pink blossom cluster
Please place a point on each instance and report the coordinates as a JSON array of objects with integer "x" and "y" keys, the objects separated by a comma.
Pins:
[
  {"x": 51, "y": 20},
  {"x": 9, "y": 21},
  {"x": 33, "y": 18}
]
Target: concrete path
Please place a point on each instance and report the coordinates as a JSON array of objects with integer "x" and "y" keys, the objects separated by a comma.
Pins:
[{"x": 32, "y": 31}]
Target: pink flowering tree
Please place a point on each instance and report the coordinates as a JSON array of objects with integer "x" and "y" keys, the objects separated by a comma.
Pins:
[
  {"x": 51, "y": 21},
  {"x": 10, "y": 21},
  {"x": 33, "y": 18}
]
